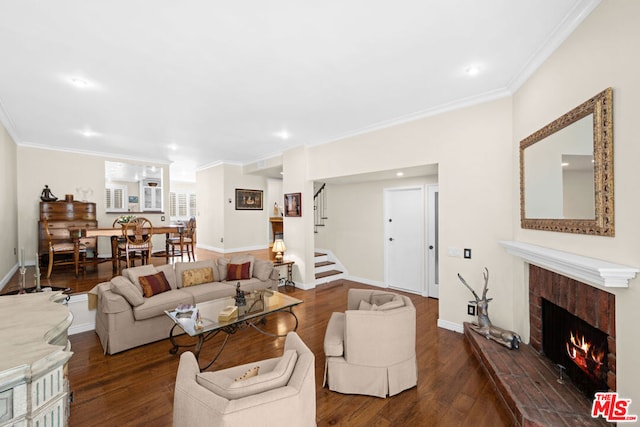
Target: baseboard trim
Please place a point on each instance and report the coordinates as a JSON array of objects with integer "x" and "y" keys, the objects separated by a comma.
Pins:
[
  {"x": 85, "y": 327},
  {"x": 367, "y": 281},
  {"x": 8, "y": 276},
  {"x": 455, "y": 327},
  {"x": 231, "y": 250}
]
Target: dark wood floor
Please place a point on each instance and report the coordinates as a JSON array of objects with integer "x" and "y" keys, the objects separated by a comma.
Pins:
[{"x": 135, "y": 387}]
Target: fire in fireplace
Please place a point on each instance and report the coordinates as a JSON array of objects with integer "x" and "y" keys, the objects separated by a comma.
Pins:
[{"x": 577, "y": 346}]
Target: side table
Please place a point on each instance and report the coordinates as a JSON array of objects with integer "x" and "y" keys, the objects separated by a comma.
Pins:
[{"x": 288, "y": 281}]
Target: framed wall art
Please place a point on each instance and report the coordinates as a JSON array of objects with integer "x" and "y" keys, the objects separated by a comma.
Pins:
[
  {"x": 293, "y": 204},
  {"x": 248, "y": 200}
]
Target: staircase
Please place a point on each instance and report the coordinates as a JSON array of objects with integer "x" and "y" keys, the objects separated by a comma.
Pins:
[
  {"x": 319, "y": 207},
  {"x": 326, "y": 269}
]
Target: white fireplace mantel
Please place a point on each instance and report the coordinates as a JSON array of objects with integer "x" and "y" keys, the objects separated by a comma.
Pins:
[{"x": 592, "y": 271}]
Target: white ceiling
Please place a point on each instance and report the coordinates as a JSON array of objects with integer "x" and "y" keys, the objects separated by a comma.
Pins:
[{"x": 204, "y": 81}]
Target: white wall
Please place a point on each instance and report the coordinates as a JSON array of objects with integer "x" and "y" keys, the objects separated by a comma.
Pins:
[
  {"x": 244, "y": 229},
  {"x": 599, "y": 54},
  {"x": 63, "y": 172},
  {"x": 355, "y": 225},
  {"x": 220, "y": 226},
  {"x": 211, "y": 204},
  {"x": 473, "y": 148},
  {"x": 9, "y": 244}
]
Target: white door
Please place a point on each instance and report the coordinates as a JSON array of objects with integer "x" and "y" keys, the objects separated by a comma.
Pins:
[
  {"x": 404, "y": 239},
  {"x": 432, "y": 238}
]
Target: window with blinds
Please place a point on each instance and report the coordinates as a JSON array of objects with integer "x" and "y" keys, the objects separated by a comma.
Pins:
[
  {"x": 182, "y": 205},
  {"x": 115, "y": 197}
]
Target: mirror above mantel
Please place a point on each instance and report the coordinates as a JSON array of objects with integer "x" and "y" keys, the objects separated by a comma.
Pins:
[{"x": 566, "y": 171}]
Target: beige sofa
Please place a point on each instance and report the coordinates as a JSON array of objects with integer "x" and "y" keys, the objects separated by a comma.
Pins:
[
  {"x": 125, "y": 318},
  {"x": 283, "y": 393},
  {"x": 371, "y": 347}
]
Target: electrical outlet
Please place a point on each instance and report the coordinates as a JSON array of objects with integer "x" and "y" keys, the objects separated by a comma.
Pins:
[
  {"x": 467, "y": 253},
  {"x": 471, "y": 309}
]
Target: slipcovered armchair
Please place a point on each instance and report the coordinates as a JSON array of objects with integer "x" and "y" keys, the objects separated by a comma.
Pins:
[
  {"x": 371, "y": 347},
  {"x": 282, "y": 393}
]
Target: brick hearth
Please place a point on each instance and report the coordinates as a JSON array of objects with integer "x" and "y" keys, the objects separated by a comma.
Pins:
[
  {"x": 524, "y": 378},
  {"x": 526, "y": 381}
]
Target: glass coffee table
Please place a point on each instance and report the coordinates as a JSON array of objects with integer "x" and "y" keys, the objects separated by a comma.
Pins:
[{"x": 208, "y": 324}]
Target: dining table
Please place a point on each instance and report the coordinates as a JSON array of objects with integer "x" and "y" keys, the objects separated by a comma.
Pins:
[{"x": 115, "y": 232}]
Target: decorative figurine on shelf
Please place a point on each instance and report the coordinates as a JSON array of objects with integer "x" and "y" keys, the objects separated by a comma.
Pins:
[
  {"x": 240, "y": 299},
  {"x": 484, "y": 326},
  {"x": 47, "y": 195}
]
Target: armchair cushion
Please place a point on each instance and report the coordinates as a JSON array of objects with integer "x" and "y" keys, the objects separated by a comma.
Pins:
[
  {"x": 395, "y": 303},
  {"x": 378, "y": 298},
  {"x": 223, "y": 383},
  {"x": 364, "y": 305},
  {"x": 122, "y": 286}
]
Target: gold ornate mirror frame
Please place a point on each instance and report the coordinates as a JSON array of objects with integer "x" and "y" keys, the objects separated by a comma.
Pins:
[{"x": 601, "y": 107}]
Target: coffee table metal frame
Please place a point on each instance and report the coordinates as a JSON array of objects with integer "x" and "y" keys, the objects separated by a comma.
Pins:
[{"x": 248, "y": 316}]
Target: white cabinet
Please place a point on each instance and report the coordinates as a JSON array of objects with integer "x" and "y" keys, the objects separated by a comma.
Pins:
[
  {"x": 150, "y": 196},
  {"x": 35, "y": 350}
]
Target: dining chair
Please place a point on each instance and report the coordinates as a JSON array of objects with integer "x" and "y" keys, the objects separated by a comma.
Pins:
[
  {"x": 63, "y": 247},
  {"x": 137, "y": 238},
  {"x": 186, "y": 241}
]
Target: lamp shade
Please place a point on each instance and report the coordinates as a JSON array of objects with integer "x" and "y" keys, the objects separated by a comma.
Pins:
[{"x": 278, "y": 246}]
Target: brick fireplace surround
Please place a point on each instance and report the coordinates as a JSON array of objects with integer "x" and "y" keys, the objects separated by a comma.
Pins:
[
  {"x": 524, "y": 378},
  {"x": 593, "y": 305}
]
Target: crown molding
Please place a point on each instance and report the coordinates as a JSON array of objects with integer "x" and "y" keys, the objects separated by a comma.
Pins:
[{"x": 579, "y": 13}]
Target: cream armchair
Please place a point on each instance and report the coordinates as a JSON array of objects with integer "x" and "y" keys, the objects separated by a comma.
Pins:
[
  {"x": 282, "y": 393},
  {"x": 371, "y": 348}
]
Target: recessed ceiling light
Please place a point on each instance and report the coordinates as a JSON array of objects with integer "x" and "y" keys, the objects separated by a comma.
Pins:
[
  {"x": 283, "y": 134},
  {"x": 472, "y": 70},
  {"x": 173, "y": 147},
  {"x": 88, "y": 133},
  {"x": 80, "y": 82},
  {"x": 399, "y": 174},
  {"x": 564, "y": 164}
]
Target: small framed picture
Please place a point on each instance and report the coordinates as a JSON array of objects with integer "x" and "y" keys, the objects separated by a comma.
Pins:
[
  {"x": 133, "y": 199},
  {"x": 250, "y": 200},
  {"x": 293, "y": 204}
]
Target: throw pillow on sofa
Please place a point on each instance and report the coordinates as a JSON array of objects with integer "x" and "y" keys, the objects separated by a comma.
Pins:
[
  {"x": 122, "y": 286},
  {"x": 262, "y": 269},
  {"x": 154, "y": 284},
  {"x": 181, "y": 267},
  {"x": 238, "y": 271},
  {"x": 133, "y": 274},
  {"x": 241, "y": 259},
  {"x": 223, "y": 264},
  {"x": 198, "y": 276}
]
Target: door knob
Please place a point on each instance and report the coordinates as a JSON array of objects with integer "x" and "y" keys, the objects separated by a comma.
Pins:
[
  {"x": 391, "y": 239},
  {"x": 430, "y": 246}
]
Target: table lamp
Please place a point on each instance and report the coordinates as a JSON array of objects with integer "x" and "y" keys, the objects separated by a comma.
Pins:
[{"x": 279, "y": 248}]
